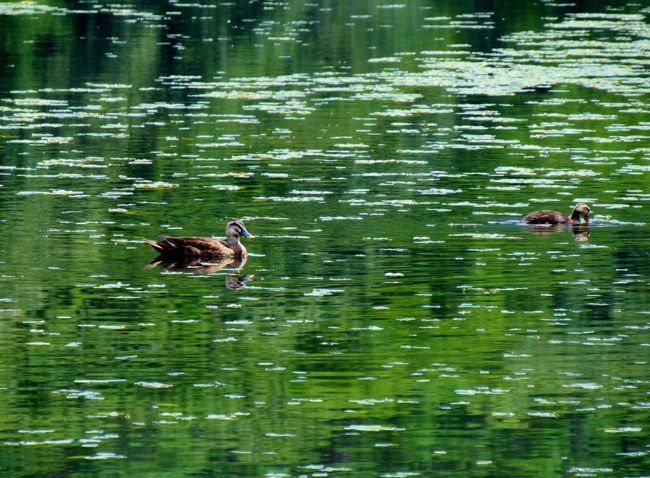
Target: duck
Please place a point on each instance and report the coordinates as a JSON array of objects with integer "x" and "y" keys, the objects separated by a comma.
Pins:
[
  {"x": 205, "y": 248},
  {"x": 580, "y": 212}
]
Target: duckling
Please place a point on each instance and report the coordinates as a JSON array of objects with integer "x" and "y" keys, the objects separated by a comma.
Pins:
[
  {"x": 581, "y": 211},
  {"x": 205, "y": 247}
]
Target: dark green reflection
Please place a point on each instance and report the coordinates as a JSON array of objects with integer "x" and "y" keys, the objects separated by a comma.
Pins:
[{"x": 392, "y": 318}]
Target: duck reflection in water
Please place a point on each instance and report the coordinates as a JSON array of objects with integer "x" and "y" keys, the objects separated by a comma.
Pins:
[
  {"x": 235, "y": 281},
  {"x": 205, "y": 254},
  {"x": 580, "y": 231}
]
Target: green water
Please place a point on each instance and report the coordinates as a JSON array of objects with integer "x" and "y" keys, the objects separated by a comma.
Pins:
[{"x": 392, "y": 319}]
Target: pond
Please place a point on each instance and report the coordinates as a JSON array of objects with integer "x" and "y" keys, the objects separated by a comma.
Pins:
[{"x": 392, "y": 319}]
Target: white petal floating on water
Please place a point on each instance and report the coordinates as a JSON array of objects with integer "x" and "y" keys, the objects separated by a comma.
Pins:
[
  {"x": 105, "y": 456},
  {"x": 540, "y": 414},
  {"x": 228, "y": 417},
  {"x": 155, "y": 185},
  {"x": 623, "y": 430},
  {"x": 154, "y": 385},
  {"x": 439, "y": 191},
  {"x": 373, "y": 428},
  {"x": 63, "y": 441},
  {"x": 339, "y": 218},
  {"x": 485, "y": 236},
  {"x": 323, "y": 292},
  {"x": 583, "y": 385}
]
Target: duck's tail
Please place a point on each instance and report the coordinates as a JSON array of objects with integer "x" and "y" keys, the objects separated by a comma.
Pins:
[{"x": 154, "y": 244}]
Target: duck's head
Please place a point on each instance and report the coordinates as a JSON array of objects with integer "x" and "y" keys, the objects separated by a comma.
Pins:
[
  {"x": 236, "y": 228},
  {"x": 581, "y": 211}
]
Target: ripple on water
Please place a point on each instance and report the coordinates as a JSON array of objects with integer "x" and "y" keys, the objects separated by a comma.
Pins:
[{"x": 386, "y": 304}]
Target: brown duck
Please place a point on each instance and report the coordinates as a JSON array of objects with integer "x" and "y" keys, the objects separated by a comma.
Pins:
[
  {"x": 581, "y": 211},
  {"x": 205, "y": 247}
]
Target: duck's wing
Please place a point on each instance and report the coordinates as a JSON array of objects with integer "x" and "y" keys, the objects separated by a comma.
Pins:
[
  {"x": 201, "y": 244},
  {"x": 546, "y": 217},
  {"x": 193, "y": 264}
]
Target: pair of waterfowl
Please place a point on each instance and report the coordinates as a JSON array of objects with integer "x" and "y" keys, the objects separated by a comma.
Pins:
[{"x": 208, "y": 248}]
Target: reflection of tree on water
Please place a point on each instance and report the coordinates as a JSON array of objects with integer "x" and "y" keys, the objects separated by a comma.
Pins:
[
  {"x": 234, "y": 281},
  {"x": 580, "y": 231}
]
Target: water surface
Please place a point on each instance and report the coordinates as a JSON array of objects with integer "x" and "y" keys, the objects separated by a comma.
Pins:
[{"x": 393, "y": 320}]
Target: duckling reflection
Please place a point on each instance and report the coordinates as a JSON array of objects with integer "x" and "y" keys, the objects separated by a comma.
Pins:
[
  {"x": 195, "y": 265},
  {"x": 580, "y": 231}
]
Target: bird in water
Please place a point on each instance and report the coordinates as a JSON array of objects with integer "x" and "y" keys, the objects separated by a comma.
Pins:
[
  {"x": 205, "y": 248},
  {"x": 580, "y": 213}
]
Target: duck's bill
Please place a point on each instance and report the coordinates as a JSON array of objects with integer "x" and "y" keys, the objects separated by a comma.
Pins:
[{"x": 247, "y": 234}]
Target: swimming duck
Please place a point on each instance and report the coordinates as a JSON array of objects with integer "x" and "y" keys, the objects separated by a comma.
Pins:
[
  {"x": 205, "y": 247},
  {"x": 581, "y": 211}
]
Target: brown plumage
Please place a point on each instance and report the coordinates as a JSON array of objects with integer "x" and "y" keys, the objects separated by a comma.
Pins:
[
  {"x": 205, "y": 247},
  {"x": 581, "y": 211}
]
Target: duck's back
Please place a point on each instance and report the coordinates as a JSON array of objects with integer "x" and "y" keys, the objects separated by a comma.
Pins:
[
  {"x": 546, "y": 217},
  {"x": 195, "y": 246}
]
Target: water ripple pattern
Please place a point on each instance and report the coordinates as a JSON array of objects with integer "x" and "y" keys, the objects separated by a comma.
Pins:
[{"x": 392, "y": 318}]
